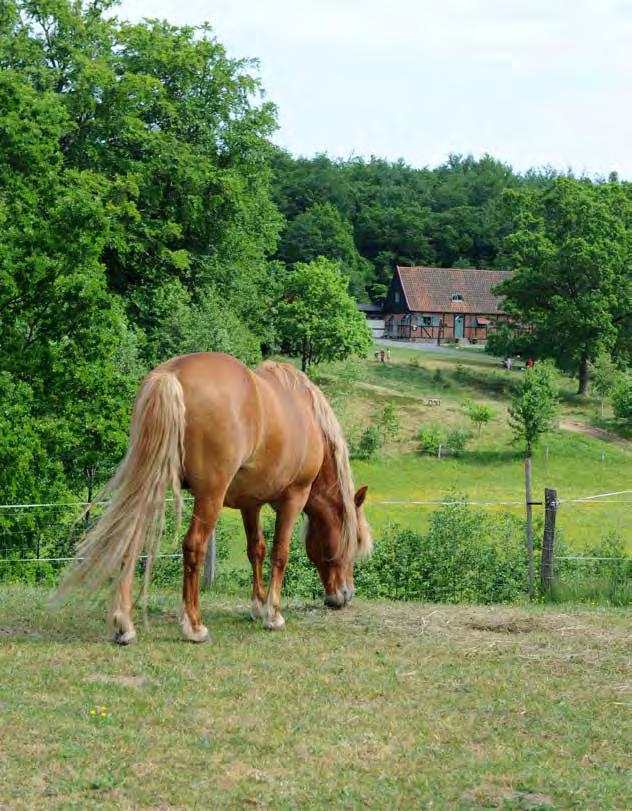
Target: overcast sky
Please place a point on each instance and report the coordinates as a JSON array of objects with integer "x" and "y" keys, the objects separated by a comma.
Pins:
[{"x": 532, "y": 82}]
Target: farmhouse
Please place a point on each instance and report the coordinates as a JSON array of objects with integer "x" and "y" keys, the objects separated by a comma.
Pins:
[
  {"x": 435, "y": 304},
  {"x": 374, "y": 318}
]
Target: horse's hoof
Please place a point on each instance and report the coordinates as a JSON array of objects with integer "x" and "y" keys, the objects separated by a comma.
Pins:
[
  {"x": 256, "y": 610},
  {"x": 198, "y": 635},
  {"x": 124, "y": 638},
  {"x": 335, "y": 600},
  {"x": 274, "y": 623}
]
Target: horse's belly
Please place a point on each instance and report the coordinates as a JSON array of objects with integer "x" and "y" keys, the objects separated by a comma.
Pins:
[{"x": 253, "y": 486}]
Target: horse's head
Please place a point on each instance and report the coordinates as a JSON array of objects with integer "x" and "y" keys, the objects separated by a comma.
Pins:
[{"x": 333, "y": 544}]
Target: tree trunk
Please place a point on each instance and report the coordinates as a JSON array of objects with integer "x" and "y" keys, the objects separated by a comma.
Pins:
[
  {"x": 527, "y": 478},
  {"x": 304, "y": 355},
  {"x": 583, "y": 374}
]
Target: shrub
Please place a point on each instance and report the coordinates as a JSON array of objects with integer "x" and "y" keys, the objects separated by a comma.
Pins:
[
  {"x": 479, "y": 413},
  {"x": 371, "y": 440},
  {"x": 430, "y": 437},
  {"x": 389, "y": 421},
  {"x": 457, "y": 440},
  {"x": 465, "y": 556},
  {"x": 622, "y": 398}
]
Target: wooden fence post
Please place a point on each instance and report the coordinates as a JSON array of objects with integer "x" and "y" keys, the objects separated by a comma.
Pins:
[
  {"x": 546, "y": 564},
  {"x": 209, "y": 562},
  {"x": 529, "y": 505}
]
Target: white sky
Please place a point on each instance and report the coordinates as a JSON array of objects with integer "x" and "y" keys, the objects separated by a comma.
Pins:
[{"x": 532, "y": 82}]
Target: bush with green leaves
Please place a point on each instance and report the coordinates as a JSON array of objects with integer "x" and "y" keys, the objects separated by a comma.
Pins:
[
  {"x": 622, "y": 398},
  {"x": 430, "y": 438},
  {"x": 388, "y": 421},
  {"x": 370, "y": 443},
  {"x": 465, "y": 556},
  {"x": 479, "y": 413},
  {"x": 457, "y": 439},
  {"x": 604, "y": 375}
]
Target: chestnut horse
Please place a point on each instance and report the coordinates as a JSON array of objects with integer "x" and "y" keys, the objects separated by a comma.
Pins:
[{"x": 235, "y": 438}]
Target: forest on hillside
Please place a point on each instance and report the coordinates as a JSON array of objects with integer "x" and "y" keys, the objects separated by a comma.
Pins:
[{"x": 145, "y": 212}]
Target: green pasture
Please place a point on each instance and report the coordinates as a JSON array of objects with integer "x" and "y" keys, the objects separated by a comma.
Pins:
[
  {"x": 492, "y": 468},
  {"x": 379, "y": 706}
]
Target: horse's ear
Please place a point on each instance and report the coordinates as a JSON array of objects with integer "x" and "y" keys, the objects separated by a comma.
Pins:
[{"x": 360, "y": 496}]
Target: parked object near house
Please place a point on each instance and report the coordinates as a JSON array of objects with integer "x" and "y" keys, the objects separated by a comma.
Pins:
[
  {"x": 374, "y": 318},
  {"x": 443, "y": 304}
]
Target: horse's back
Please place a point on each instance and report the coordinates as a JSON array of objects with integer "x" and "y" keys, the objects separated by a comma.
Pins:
[
  {"x": 222, "y": 417},
  {"x": 251, "y": 432}
]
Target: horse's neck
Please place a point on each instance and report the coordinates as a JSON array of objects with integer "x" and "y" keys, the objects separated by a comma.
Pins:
[{"x": 325, "y": 493}]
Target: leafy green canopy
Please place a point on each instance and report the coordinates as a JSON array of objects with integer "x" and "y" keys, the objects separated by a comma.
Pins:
[
  {"x": 317, "y": 318},
  {"x": 135, "y": 222},
  {"x": 534, "y": 407},
  {"x": 448, "y": 216},
  {"x": 571, "y": 246}
]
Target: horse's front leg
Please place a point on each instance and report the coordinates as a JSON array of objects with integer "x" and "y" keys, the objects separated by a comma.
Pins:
[
  {"x": 205, "y": 515},
  {"x": 256, "y": 556},
  {"x": 288, "y": 511}
]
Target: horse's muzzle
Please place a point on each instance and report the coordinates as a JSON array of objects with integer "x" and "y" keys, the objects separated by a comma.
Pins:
[{"x": 335, "y": 600}]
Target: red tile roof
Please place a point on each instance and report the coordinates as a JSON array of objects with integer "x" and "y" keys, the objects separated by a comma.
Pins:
[{"x": 431, "y": 289}]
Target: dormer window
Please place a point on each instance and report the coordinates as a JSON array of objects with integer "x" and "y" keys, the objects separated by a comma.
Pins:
[{"x": 457, "y": 297}]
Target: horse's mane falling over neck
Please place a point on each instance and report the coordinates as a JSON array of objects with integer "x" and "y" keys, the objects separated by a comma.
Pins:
[{"x": 292, "y": 378}]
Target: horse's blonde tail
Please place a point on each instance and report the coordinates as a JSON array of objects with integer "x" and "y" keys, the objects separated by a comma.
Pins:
[{"x": 134, "y": 518}]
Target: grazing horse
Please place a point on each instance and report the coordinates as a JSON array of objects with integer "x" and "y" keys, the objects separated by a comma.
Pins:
[{"x": 236, "y": 438}]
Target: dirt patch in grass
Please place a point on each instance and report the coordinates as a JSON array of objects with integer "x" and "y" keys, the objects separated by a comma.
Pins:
[
  {"x": 124, "y": 681},
  {"x": 16, "y": 632},
  {"x": 489, "y": 796},
  {"x": 507, "y": 625},
  {"x": 596, "y": 433}
]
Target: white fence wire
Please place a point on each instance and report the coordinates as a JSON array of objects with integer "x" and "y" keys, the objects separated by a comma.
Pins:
[{"x": 591, "y": 500}]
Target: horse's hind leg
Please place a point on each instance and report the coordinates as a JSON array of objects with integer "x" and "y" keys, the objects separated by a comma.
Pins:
[
  {"x": 205, "y": 515},
  {"x": 256, "y": 556},
  {"x": 124, "y": 631}
]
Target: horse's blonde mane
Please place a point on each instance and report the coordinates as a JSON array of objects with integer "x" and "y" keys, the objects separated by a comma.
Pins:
[{"x": 292, "y": 378}]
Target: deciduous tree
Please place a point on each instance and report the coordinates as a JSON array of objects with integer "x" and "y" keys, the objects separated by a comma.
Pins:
[
  {"x": 571, "y": 246},
  {"x": 317, "y": 318}
]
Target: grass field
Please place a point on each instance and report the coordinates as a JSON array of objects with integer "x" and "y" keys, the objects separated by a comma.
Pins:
[
  {"x": 492, "y": 468},
  {"x": 380, "y": 706}
]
